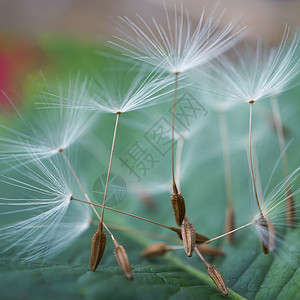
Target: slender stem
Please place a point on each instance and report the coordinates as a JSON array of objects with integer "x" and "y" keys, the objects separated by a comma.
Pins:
[
  {"x": 250, "y": 158},
  {"x": 201, "y": 256},
  {"x": 226, "y": 157},
  {"x": 109, "y": 164},
  {"x": 229, "y": 232},
  {"x": 122, "y": 212},
  {"x": 178, "y": 159},
  {"x": 77, "y": 179},
  {"x": 148, "y": 234},
  {"x": 173, "y": 132}
]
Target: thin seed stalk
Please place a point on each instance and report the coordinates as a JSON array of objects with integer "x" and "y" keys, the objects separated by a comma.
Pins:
[
  {"x": 109, "y": 165},
  {"x": 177, "y": 200},
  {"x": 290, "y": 204},
  {"x": 228, "y": 233},
  {"x": 175, "y": 190},
  {"x": 250, "y": 158}
]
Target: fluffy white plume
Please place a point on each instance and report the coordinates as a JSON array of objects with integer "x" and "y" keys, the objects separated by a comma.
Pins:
[
  {"x": 180, "y": 46},
  {"x": 38, "y": 218},
  {"x": 254, "y": 72},
  {"x": 49, "y": 129}
]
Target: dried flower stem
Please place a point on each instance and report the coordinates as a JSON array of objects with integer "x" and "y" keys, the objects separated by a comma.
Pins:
[
  {"x": 290, "y": 205},
  {"x": 229, "y": 225}
]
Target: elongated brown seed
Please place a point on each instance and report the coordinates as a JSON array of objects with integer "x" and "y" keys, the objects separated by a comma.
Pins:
[
  {"x": 218, "y": 279},
  {"x": 230, "y": 224},
  {"x": 199, "y": 237},
  {"x": 178, "y": 206},
  {"x": 123, "y": 260},
  {"x": 188, "y": 234},
  {"x": 155, "y": 250},
  {"x": 210, "y": 250},
  {"x": 290, "y": 209},
  {"x": 266, "y": 237},
  {"x": 272, "y": 236},
  {"x": 97, "y": 248}
]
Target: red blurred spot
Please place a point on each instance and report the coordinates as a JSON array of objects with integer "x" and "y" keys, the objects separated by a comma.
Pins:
[{"x": 17, "y": 59}]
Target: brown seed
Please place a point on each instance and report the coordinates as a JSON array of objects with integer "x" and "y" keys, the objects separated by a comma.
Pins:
[
  {"x": 290, "y": 209},
  {"x": 155, "y": 250},
  {"x": 178, "y": 206},
  {"x": 272, "y": 236},
  {"x": 97, "y": 248},
  {"x": 188, "y": 236},
  {"x": 199, "y": 237},
  {"x": 217, "y": 278},
  {"x": 123, "y": 260},
  {"x": 210, "y": 250},
  {"x": 230, "y": 224},
  {"x": 267, "y": 234}
]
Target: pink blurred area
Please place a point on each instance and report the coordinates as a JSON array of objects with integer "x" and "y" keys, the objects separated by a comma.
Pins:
[{"x": 17, "y": 58}]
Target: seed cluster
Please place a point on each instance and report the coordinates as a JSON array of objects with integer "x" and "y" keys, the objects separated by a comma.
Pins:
[{"x": 171, "y": 54}]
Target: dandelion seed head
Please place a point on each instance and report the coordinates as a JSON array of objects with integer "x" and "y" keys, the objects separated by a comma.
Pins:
[
  {"x": 255, "y": 72},
  {"x": 39, "y": 219},
  {"x": 178, "y": 47},
  {"x": 48, "y": 130},
  {"x": 120, "y": 92}
]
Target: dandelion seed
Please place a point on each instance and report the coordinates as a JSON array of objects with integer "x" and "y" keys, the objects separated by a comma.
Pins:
[
  {"x": 178, "y": 206},
  {"x": 97, "y": 248},
  {"x": 188, "y": 234},
  {"x": 177, "y": 49},
  {"x": 257, "y": 73},
  {"x": 123, "y": 260},
  {"x": 215, "y": 275},
  {"x": 156, "y": 250}
]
